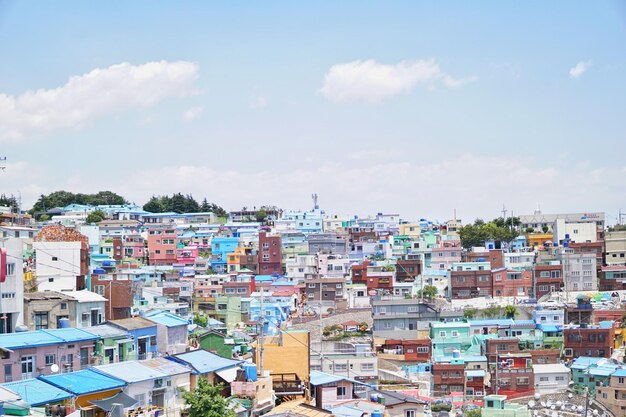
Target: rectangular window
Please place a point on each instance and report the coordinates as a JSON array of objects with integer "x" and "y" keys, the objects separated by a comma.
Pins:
[
  {"x": 341, "y": 367},
  {"x": 50, "y": 359},
  {"x": 367, "y": 367},
  {"x": 341, "y": 391},
  {"x": 442, "y": 333},
  {"x": 409, "y": 413},
  {"x": 41, "y": 320}
]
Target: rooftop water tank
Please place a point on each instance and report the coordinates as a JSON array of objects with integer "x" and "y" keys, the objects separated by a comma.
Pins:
[
  {"x": 250, "y": 370},
  {"x": 107, "y": 263},
  {"x": 456, "y": 353},
  {"x": 377, "y": 413},
  {"x": 99, "y": 271},
  {"x": 566, "y": 235},
  {"x": 64, "y": 323},
  {"x": 565, "y": 244},
  {"x": 481, "y": 259}
]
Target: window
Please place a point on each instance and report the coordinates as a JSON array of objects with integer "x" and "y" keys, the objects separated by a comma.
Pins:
[
  {"x": 522, "y": 381},
  {"x": 50, "y": 359},
  {"x": 341, "y": 391},
  {"x": 455, "y": 333},
  {"x": 99, "y": 289},
  {"x": 442, "y": 333},
  {"x": 409, "y": 413},
  {"x": 28, "y": 366},
  {"x": 544, "y": 379},
  {"x": 423, "y": 349},
  {"x": 54, "y": 258},
  {"x": 338, "y": 286},
  {"x": 10, "y": 269},
  {"x": 41, "y": 320},
  {"x": 559, "y": 378},
  {"x": 367, "y": 367},
  {"x": 341, "y": 367},
  {"x": 63, "y": 306}
]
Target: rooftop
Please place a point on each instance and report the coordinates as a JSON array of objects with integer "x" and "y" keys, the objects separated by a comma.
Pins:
[{"x": 83, "y": 382}]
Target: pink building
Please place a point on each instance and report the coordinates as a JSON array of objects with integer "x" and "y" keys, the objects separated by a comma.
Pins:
[
  {"x": 445, "y": 254},
  {"x": 161, "y": 245},
  {"x": 187, "y": 255},
  {"x": 30, "y": 354}
]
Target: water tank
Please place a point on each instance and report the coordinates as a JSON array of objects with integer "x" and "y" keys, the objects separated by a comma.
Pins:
[
  {"x": 490, "y": 246},
  {"x": 374, "y": 398},
  {"x": 64, "y": 323},
  {"x": 377, "y": 413},
  {"x": 456, "y": 353},
  {"x": 555, "y": 244},
  {"x": 107, "y": 263},
  {"x": 99, "y": 271},
  {"x": 250, "y": 370},
  {"x": 481, "y": 259},
  {"x": 565, "y": 244}
]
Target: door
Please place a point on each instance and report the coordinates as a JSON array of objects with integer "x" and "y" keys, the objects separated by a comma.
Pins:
[
  {"x": 28, "y": 367},
  {"x": 70, "y": 362},
  {"x": 84, "y": 357},
  {"x": 109, "y": 354},
  {"x": 142, "y": 347},
  {"x": 158, "y": 398}
]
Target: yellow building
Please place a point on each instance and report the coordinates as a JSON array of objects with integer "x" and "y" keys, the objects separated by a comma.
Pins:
[
  {"x": 287, "y": 353},
  {"x": 538, "y": 239}
]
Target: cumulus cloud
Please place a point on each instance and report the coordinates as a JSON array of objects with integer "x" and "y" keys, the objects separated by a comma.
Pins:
[
  {"x": 99, "y": 92},
  {"x": 372, "y": 82},
  {"x": 580, "y": 68},
  {"x": 193, "y": 113}
]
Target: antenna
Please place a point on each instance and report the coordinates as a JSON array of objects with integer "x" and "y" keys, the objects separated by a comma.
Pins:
[
  {"x": 314, "y": 197},
  {"x": 621, "y": 216},
  {"x": 3, "y": 160},
  {"x": 504, "y": 210}
]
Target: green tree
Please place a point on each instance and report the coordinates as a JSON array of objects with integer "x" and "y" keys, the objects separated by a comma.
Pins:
[
  {"x": 65, "y": 198},
  {"x": 510, "y": 311},
  {"x": 206, "y": 401},
  {"x": 545, "y": 228},
  {"x": 492, "y": 312},
  {"x": 261, "y": 215},
  {"x": 498, "y": 229},
  {"x": 476, "y": 412},
  {"x": 154, "y": 205},
  {"x": 9, "y": 201},
  {"x": 429, "y": 291},
  {"x": 201, "y": 320},
  {"x": 470, "y": 312},
  {"x": 95, "y": 217}
]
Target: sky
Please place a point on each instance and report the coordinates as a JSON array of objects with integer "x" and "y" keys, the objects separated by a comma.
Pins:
[{"x": 416, "y": 108}]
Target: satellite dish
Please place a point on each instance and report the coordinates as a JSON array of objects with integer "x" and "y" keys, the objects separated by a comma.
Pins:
[{"x": 54, "y": 368}]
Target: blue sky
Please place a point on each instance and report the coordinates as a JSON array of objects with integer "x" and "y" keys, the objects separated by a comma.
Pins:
[{"x": 411, "y": 107}]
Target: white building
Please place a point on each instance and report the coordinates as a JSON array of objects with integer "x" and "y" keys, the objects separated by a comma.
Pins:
[
  {"x": 300, "y": 266},
  {"x": 579, "y": 232},
  {"x": 89, "y": 308},
  {"x": 579, "y": 270},
  {"x": 551, "y": 378},
  {"x": 357, "y": 296},
  {"x": 12, "y": 289},
  {"x": 57, "y": 265}
]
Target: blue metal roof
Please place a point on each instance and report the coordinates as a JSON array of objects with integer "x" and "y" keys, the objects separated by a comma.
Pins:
[
  {"x": 204, "y": 362},
  {"x": 83, "y": 382},
  {"x": 36, "y": 392},
  {"x": 322, "y": 378},
  {"x": 167, "y": 319},
  {"x": 475, "y": 373},
  {"x": 550, "y": 328},
  {"x": 44, "y": 337},
  {"x": 601, "y": 371},
  {"x": 583, "y": 362},
  {"x": 620, "y": 373}
]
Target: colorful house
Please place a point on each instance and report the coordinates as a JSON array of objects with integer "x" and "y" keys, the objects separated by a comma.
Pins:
[
  {"x": 448, "y": 337},
  {"x": 143, "y": 332}
]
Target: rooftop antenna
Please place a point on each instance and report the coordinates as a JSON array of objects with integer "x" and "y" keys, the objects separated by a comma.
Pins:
[
  {"x": 621, "y": 216},
  {"x": 314, "y": 197},
  {"x": 504, "y": 210},
  {"x": 3, "y": 160}
]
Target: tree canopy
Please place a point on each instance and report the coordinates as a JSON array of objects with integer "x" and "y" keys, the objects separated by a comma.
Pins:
[
  {"x": 479, "y": 232},
  {"x": 9, "y": 201},
  {"x": 180, "y": 203},
  {"x": 65, "y": 198},
  {"x": 95, "y": 216},
  {"x": 206, "y": 400}
]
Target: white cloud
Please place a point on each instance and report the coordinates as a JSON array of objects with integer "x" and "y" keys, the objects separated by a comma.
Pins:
[
  {"x": 193, "y": 113},
  {"x": 91, "y": 95},
  {"x": 372, "y": 82},
  {"x": 258, "y": 102},
  {"x": 580, "y": 68}
]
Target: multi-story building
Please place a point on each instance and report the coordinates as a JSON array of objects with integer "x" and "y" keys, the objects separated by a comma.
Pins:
[
  {"x": 612, "y": 278},
  {"x": 270, "y": 254},
  {"x": 448, "y": 378},
  {"x": 360, "y": 365},
  {"x": 11, "y": 284},
  {"x": 449, "y": 337},
  {"x": 613, "y": 394},
  {"x": 118, "y": 291},
  {"x": 407, "y": 270},
  {"x": 538, "y": 220},
  {"x": 161, "y": 245},
  {"x": 400, "y": 318},
  {"x": 615, "y": 247},
  {"x": 447, "y": 253},
  {"x": 327, "y": 243},
  {"x": 405, "y": 350},
  {"x": 579, "y": 270},
  {"x": 46, "y": 309},
  {"x": 548, "y": 279},
  {"x": 470, "y": 280},
  {"x": 512, "y": 283},
  {"x": 495, "y": 257},
  {"x": 327, "y": 292},
  {"x": 587, "y": 340}
]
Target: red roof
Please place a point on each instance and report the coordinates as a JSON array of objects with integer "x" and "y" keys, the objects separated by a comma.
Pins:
[{"x": 351, "y": 323}]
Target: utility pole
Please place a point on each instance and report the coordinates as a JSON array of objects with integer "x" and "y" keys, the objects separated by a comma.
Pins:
[{"x": 261, "y": 337}]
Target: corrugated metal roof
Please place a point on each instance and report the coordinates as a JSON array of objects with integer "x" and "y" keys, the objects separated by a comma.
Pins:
[
  {"x": 204, "y": 362},
  {"x": 36, "y": 392},
  {"x": 322, "y": 378},
  {"x": 83, "y": 382},
  {"x": 166, "y": 366},
  {"x": 167, "y": 319},
  {"x": 133, "y": 323},
  {"x": 44, "y": 337},
  {"x": 130, "y": 371},
  {"x": 107, "y": 330}
]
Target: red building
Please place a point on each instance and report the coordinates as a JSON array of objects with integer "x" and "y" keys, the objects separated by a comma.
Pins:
[
  {"x": 448, "y": 378},
  {"x": 118, "y": 292},
  {"x": 407, "y": 350},
  {"x": 548, "y": 279},
  {"x": 511, "y": 283},
  {"x": 513, "y": 374},
  {"x": 359, "y": 273},
  {"x": 494, "y": 256},
  {"x": 470, "y": 284},
  {"x": 588, "y": 341},
  {"x": 408, "y": 269},
  {"x": 270, "y": 254}
]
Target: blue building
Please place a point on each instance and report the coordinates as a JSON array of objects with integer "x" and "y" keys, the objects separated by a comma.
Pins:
[
  {"x": 143, "y": 333},
  {"x": 220, "y": 248}
]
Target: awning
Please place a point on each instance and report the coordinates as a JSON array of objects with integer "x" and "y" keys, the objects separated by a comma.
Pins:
[
  {"x": 123, "y": 341},
  {"x": 228, "y": 375},
  {"x": 119, "y": 398}
]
